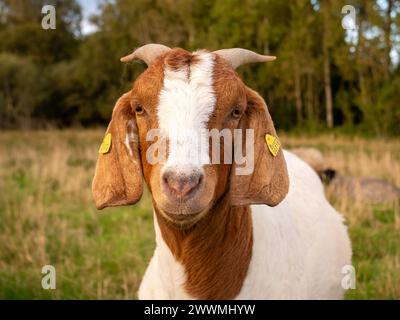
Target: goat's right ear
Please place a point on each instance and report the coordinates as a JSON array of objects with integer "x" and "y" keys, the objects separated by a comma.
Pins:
[{"x": 118, "y": 176}]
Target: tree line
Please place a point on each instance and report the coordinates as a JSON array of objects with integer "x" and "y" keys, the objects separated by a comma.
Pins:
[{"x": 330, "y": 72}]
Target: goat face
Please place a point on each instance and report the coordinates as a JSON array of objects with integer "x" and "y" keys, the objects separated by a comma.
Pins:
[{"x": 181, "y": 98}]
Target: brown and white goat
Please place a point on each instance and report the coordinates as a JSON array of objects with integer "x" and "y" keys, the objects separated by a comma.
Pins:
[{"x": 219, "y": 235}]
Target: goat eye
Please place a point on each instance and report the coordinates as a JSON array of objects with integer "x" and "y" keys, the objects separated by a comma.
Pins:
[
  {"x": 236, "y": 113},
  {"x": 139, "y": 109}
]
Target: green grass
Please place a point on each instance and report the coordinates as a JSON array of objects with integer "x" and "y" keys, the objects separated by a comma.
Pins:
[
  {"x": 376, "y": 255},
  {"x": 47, "y": 216}
]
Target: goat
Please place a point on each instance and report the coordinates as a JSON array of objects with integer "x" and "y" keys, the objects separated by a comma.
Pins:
[
  {"x": 368, "y": 190},
  {"x": 316, "y": 160},
  {"x": 270, "y": 234}
]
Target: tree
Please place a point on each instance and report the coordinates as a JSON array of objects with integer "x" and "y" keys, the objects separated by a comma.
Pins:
[
  {"x": 324, "y": 75},
  {"x": 21, "y": 91},
  {"x": 23, "y": 35}
]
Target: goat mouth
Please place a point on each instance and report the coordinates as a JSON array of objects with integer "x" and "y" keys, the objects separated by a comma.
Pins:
[
  {"x": 182, "y": 216},
  {"x": 184, "y": 219}
]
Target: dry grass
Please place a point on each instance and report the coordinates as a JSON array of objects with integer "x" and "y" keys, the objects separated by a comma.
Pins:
[{"x": 47, "y": 216}]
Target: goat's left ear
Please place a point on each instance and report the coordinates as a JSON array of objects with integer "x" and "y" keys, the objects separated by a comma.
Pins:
[
  {"x": 118, "y": 177},
  {"x": 269, "y": 182}
]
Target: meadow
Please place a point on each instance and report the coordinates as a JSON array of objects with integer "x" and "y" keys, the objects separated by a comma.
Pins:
[{"x": 47, "y": 216}]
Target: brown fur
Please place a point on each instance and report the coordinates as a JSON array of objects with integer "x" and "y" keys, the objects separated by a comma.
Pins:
[
  {"x": 118, "y": 178},
  {"x": 269, "y": 182},
  {"x": 215, "y": 252},
  {"x": 180, "y": 59},
  {"x": 147, "y": 96},
  {"x": 216, "y": 249}
]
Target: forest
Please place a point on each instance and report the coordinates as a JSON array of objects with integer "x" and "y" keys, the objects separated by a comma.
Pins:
[{"x": 335, "y": 70}]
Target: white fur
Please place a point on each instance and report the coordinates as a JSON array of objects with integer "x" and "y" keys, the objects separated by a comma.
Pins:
[
  {"x": 187, "y": 100},
  {"x": 164, "y": 277},
  {"x": 130, "y": 136},
  {"x": 299, "y": 248}
]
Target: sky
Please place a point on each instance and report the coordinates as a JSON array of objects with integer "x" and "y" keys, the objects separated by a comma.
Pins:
[{"x": 89, "y": 7}]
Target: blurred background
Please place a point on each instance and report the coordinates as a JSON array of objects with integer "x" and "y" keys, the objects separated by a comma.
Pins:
[{"x": 334, "y": 90}]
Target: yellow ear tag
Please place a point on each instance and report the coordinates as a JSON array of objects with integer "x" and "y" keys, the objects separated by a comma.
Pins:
[
  {"x": 106, "y": 144},
  {"x": 273, "y": 144}
]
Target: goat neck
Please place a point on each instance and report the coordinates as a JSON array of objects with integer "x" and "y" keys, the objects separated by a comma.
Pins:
[{"x": 215, "y": 252}]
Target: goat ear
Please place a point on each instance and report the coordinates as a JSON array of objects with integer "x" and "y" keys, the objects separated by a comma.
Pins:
[
  {"x": 118, "y": 176},
  {"x": 269, "y": 182}
]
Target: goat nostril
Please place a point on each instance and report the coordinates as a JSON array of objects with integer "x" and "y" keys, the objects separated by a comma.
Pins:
[
  {"x": 195, "y": 182},
  {"x": 181, "y": 185},
  {"x": 165, "y": 179}
]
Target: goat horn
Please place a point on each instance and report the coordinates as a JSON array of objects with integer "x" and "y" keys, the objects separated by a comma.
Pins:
[
  {"x": 147, "y": 53},
  {"x": 238, "y": 56}
]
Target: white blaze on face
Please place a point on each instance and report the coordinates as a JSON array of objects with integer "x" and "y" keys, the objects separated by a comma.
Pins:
[{"x": 186, "y": 102}]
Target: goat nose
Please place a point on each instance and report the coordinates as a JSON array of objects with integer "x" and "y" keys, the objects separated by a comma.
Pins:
[{"x": 181, "y": 184}]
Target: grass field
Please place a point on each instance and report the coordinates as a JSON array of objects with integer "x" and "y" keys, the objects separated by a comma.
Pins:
[{"x": 47, "y": 216}]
